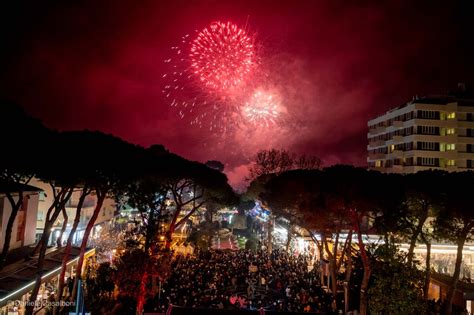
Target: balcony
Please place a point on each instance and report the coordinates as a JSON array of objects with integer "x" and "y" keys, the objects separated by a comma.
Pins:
[
  {"x": 376, "y": 143},
  {"x": 398, "y": 123},
  {"x": 465, "y": 155},
  {"x": 465, "y": 124},
  {"x": 397, "y": 154},
  {"x": 376, "y": 156},
  {"x": 397, "y": 138},
  {"x": 431, "y": 138},
  {"x": 397, "y": 167},
  {"x": 377, "y": 168},
  {"x": 465, "y": 139},
  {"x": 435, "y": 122},
  {"x": 377, "y": 130},
  {"x": 373, "y": 131}
]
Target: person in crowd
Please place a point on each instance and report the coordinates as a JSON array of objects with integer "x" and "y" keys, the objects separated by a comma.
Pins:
[{"x": 245, "y": 280}]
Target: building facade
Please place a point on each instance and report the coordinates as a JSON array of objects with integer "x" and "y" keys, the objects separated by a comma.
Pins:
[
  {"x": 429, "y": 133},
  {"x": 106, "y": 215},
  {"x": 23, "y": 231},
  {"x": 426, "y": 133}
]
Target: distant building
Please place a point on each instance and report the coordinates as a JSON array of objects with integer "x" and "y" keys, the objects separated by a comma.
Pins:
[
  {"x": 23, "y": 232},
  {"x": 426, "y": 133},
  {"x": 106, "y": 215}
]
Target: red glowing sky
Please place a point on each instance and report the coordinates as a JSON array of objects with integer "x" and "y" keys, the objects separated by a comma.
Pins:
[{"x": 98, "y": 65}]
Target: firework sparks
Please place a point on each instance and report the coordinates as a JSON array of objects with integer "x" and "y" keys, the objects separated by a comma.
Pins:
[
  {"x": 222, "y": 56},
  {"x": 215, "y": 82},
  {"x": 263, "y": 108},
  {"x": 208, "y": 76}
]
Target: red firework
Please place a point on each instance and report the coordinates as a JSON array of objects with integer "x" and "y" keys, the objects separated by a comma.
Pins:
[
  {"x": 222, "y": 56},
  {"x": 263, "y": 109}
]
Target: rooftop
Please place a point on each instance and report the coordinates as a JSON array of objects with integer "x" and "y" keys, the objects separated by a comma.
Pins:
[{"x": 15, "y": 187}]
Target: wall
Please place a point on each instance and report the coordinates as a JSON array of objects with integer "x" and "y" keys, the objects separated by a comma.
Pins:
[{"x": 30, "y": 222}]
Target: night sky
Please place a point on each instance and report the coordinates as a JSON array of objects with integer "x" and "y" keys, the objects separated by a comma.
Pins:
[{"x": 99, "y": 65}]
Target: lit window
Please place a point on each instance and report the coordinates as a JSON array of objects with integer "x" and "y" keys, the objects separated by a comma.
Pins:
[
  {"x": 450, "y": 131},
  {"x": 451, "y": 147},
  {"x": 451, "y": 115},
  {"x": 378, "y": 163},
  {"x": 450, "y": 163}
]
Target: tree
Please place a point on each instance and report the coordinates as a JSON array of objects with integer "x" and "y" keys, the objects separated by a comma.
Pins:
[
  {"x": 85, "y": 191},
  {"x": 193, "y": 186},
  {"x": 62, "y": 190},
  {"x": 300, "y": 197},
  {"x": 355, "y": 188},
  {"x": 59, "y": 241},
  {"x": 63, "y": 179},
  {"x": 99, "y": 285},
  {"x": 16, "y": 169},
  {"x": 85, "y": 170},
  {"x": 424, "y": 198},
  {"x": 278, "y": 161},
  {"x": 456, "y": 221},
  {"x": 217, "y": 165},
  {"x": 289, "y": 195},
  {"x": 270, "y": 163},
  {"x": 167, "y": 188},
  {"x": 307, "y": 162},
  {"x": 402, "y": 280},
  {"x": 134, "y": 266},
  {"x": 148, "y": 193},
  {"x": 108, "y": 168}
]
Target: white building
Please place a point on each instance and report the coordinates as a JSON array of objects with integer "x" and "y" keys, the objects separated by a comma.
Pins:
[
  {"x": 23, "y": 232},
  {"x": 106, "y": 215},
  {"x": 425, "y": 133}
]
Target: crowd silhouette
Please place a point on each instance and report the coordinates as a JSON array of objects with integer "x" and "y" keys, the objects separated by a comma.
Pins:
[{"x": 245, "y": 280}]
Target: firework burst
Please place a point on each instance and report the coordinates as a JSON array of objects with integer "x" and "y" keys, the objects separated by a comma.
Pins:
[
  {"x": 263, "y": 108},
  {"x": 222, "y": 56},
  {"x": 208, "y": 75},
  {"x": 216, "y": 80}
]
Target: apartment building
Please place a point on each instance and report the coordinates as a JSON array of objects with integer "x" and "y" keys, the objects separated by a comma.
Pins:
[{"x": 425, "y": 133}]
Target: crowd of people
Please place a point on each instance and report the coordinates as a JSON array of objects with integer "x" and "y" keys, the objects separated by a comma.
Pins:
[{"x": 245, "y": 280}]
